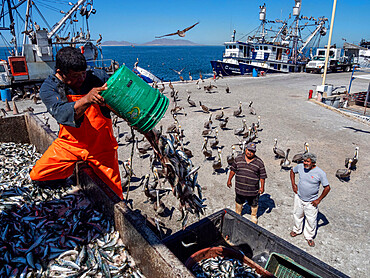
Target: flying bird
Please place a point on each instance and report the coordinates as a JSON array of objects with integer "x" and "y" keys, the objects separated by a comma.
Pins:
[{"x": 180, "y": 33}]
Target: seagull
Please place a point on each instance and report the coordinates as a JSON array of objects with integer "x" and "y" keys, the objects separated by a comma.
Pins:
[
  {"x": 178, "y": 72},
  {"x": 180, "y": 33}
]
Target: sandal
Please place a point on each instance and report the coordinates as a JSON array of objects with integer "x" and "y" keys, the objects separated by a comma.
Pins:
[
  {"x": 293, "y": 234},
  {"x": 310, "y": 242}
]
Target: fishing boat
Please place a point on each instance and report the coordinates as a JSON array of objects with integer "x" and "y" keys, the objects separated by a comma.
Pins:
[
  {"x": 270, "y": 50},
  {"x": 31, "y": 61}
]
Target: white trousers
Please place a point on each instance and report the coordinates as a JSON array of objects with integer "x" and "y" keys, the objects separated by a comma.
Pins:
[{"x": 304, "y": 209}]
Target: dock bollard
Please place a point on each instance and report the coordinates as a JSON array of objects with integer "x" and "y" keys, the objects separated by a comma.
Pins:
[{"x": 310, "y": 92}]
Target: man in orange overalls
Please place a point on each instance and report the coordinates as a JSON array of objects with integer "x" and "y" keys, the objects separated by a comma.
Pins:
[{"x": 72, "y": 97}]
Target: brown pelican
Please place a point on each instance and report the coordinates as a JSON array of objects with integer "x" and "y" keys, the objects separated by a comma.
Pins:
[
  {"x": 240, "y": 131},
  {"x": 238, "y": 112},
  {"x": 354, "y": 160},
  {"x": 208, "y": 123},
  {"x": 221, "y": 115},
  {"x": 213, "y": 143},
  {"x": 207, "y": 153},
  {"x": 230, "y": 158},
  {"x": 217, "y": 163},
  {"x": 344, "y": 173},
  {"x": 285, "y": 162},
  {"x": 279, "y": 153},
  {"x": 191, "y": 102},
  {"x": 298, "y": 158},
  {"x": 224, "y": 123},
  {"x": 251, "y": 109},
  {"x": 204, "y": 108}
]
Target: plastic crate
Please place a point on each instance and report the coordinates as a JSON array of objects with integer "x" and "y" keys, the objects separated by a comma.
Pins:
[{"x": 284, "y": 267}]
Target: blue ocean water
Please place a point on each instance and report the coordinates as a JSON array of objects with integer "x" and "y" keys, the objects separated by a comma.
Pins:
[{"x": 159, "y": 60}]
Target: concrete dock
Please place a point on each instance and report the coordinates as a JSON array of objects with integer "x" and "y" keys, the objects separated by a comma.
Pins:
[{"x": 342, "y": 239}]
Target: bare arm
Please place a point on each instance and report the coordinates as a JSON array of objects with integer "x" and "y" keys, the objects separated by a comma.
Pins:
[
  {"x": 322, "y": 196},
  {"x": 292, "y": 179},
  {"x": 231, "y": 175},
  {"x": 93, "y": 97},
  {"x": 262, "y": 186}
]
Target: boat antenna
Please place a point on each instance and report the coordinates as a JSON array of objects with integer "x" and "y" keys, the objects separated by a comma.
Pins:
[{"x": 263, "y": 19}]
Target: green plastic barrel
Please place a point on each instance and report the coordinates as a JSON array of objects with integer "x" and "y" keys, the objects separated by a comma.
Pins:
[{"x": 134, "y": 100}]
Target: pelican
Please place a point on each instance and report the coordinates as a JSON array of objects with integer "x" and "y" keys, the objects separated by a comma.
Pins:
[
  {"x": 230, "y": 158},
  {"x": 217, "y": 163},
  {"x": 191, "y": 102},
  {"x": 238, "y": 112},
  {"x": 285, "y": 162},
  {"x": 224, "y": 123},
  {"x": 298, "y": 158},
  {"x": 99, "y": 40},
  {"x": 221, "y": 115},
  {"x": 213, "y": 143},
  {"x": 240, "y": 131},
  {"x": 227, "y": 89},
  {"x": 354, "y": 160},
  {"x": 251, "y": 109},
  {"x": 208, "y": 123},
  {"x": 344, "y": 173},
  {"x": 207, "y": 153},
  {"x": 279, "y": 153},
  {"x": 204, "y": 108}
]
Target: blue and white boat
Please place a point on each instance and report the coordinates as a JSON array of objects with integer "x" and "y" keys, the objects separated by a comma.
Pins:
[{"x": 283, "y": 52}]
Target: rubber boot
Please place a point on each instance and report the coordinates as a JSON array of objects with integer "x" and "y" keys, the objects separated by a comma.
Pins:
[
  {"x": 238, "y": 208},
  {"x": 254, "y": 214}
]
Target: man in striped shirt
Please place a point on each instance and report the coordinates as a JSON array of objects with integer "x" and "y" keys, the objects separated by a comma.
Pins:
[{"x": 250, "y": 180}]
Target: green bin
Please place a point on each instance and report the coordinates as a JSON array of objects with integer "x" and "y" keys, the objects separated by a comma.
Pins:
[
  {"x": 134, "y": 100},
  {"x": 282, "y": 266}
]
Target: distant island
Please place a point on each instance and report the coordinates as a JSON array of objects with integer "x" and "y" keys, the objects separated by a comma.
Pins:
[{"x": 165, "y": 42}]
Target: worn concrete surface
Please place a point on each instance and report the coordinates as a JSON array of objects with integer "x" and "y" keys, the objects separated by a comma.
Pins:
[{"x": 281, "y": 100}]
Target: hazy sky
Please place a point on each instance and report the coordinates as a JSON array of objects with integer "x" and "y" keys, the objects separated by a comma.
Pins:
[{"x": 140, "y": 21}]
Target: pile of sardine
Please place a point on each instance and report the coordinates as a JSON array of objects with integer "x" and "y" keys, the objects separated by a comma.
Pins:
[
  {"x": 223, "y": 268},
  {"x": 172, "y": 162},
  {"x": 52, "y": 232}
]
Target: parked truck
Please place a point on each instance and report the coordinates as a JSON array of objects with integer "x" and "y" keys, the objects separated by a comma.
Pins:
[{"x": 338, "y": 61}]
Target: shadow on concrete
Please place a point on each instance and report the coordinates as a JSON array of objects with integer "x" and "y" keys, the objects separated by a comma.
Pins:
[
  {"x": 321, "y": 220},
  {"x": 357, "y": 129}
]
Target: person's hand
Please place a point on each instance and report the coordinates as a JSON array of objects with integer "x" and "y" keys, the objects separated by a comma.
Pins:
[
  {"x": 94, "y": 97},
  {"x": 261, "y": 191},
  {"x": 229, "y": 185},
  {"x": 295, "y": 188},
  {"x": 315, "y": 203}
]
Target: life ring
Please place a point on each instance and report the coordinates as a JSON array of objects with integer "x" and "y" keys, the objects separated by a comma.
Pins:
[{"x": 287, "y": 51}]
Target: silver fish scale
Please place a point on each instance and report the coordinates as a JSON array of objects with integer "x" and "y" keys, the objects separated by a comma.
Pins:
[
  {"x": 223, "y": 267},
  {"x": 38, "y": 225}
]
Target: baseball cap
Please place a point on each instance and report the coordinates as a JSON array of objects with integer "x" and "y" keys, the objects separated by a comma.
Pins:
[{"x": 251, "y": 146}]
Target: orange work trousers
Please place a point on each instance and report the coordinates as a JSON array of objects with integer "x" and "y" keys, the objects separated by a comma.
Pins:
[{"x": 92, "y": 142}]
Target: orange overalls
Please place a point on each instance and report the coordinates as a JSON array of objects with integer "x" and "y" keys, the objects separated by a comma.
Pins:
[{"x": 93, "y": 142}]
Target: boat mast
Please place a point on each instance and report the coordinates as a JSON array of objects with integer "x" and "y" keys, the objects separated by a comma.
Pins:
[
  {"x": 11, "y": 27},
  {"x": 26, "y": 24},
  {"x": 320, "y": 28},
  {"x": 296, "y": 13},
  {"x": 65, "y": 18}
]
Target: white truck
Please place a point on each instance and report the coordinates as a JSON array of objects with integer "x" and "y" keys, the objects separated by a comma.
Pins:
[{"x": 337, "y": 61}]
